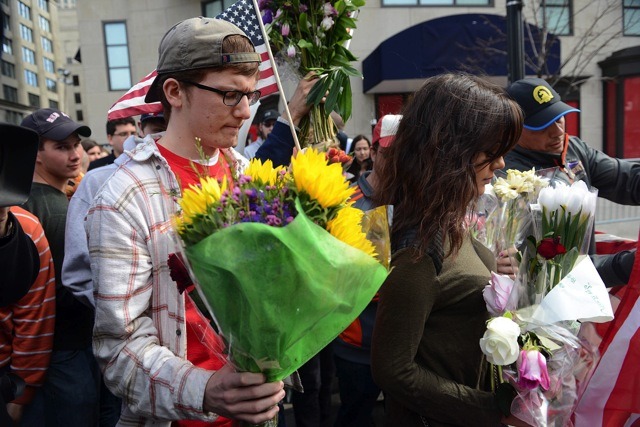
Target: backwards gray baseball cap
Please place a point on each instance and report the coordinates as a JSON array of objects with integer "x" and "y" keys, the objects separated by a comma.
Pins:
[{"x": 193, "y": 44}]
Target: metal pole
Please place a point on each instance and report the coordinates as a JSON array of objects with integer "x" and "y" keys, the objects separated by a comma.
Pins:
[{"x": 515, "y": 40}]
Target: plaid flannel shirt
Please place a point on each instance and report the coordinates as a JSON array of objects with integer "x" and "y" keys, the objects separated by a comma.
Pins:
[{"x": 140, "y": 336}]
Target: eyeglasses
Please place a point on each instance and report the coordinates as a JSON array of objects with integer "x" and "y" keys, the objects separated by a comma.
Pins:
[
  {"x": 269, "y": 124},
  {"x": 125, "y": 134},
  {"x": 230, "y": 98}
]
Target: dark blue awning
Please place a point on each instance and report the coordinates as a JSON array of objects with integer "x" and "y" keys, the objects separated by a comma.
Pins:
[{"x": 475, "y": 43}]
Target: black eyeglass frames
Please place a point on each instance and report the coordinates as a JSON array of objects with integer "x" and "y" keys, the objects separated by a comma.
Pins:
[{"x": 230, "y": 98}]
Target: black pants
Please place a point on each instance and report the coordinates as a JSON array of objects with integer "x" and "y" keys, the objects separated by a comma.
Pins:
[{"x": 313, "y": 407}]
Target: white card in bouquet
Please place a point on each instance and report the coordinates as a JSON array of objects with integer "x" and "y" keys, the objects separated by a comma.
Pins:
[{"x": 581, "y": 295}]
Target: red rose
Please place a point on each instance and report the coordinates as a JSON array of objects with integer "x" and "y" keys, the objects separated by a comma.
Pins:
[
  {"x": 549, "y": 247},
  {"x": 178, "y": 272}
]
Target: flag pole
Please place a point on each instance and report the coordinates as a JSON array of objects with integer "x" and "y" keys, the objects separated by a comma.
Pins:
[{"x": 277, "y": 77}]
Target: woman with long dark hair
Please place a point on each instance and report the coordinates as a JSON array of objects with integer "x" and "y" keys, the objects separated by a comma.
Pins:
[
  {"x": 361, "y": 158},
  {"x": 425, "y": 350}
]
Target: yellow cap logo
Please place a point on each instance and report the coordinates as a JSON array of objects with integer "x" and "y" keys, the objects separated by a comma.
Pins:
[{"x": 542, "y": 94}]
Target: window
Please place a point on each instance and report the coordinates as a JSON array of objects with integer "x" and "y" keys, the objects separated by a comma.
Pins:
[
  {"x": 76, "y": 80},
  {"x": 34, "y": 100},
  {"x": 10, "y": 93},
  {"x": 24, "y": 10},
  {"x": 45, "y": 24},
  {"x": 44, "y": 5},
  {"x": 31, "y": 78},
  {"x": 79, "y": 116},
  {"x": 47, "y": 46},
  {"x": 8, "y": 69},
  {"x": 631, "y": 18},
  {"x": 26, "y": 33},
  {"x": 6, "y": 22},
  {"x": 78, "y": 98},
  {"x": 119, "y": 71},
  {"x": 437, "y": 2},
  {"x": 54, "y": 104},
  {"x": 7, "y": 46},
  {"x": 13, "y": 117},
  {"x": 555, "y": 16},
  {"x": 52, "y": 85},
  {"x": 212, "y": 9},
  {"x": 49, "y": 65},
  {"x": 28, "y": 55}
]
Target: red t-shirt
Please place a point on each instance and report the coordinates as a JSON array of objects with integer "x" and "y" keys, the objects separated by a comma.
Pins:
[{"x": 204, "y": 347}]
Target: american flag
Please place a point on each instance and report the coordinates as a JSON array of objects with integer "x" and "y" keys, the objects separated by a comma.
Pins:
[
  {"x": 612, "y": 395},
  {"x": 244, "y": 16}
]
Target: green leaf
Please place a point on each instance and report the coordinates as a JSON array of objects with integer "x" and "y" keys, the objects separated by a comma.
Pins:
[
  {"x": 335, "y": 88},
  {"x": 318, "y": 91},
  {"x": 344, "y": 104},
  {"x": 304, "y": 44}
]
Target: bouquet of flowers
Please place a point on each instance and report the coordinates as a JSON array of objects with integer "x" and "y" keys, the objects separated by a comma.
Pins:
[
  {"x": 506, "y": 208},
  {"x": 563, "y": 221},
  {"x": 311, "y": 36},
  {"x": 263, "y": 250},
  {"x": 540, "y": 360}
]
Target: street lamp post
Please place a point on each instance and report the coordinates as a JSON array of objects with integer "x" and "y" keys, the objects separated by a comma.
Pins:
[{"x": 515, "y": 40}]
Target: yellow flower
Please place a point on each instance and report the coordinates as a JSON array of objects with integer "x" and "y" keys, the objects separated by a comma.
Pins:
[
  {"x": 346, "y": 227},
  {"x": 196, "y": 199},
  {"x": 263, "y": 173},
  {"x": 321, "y": 181}
]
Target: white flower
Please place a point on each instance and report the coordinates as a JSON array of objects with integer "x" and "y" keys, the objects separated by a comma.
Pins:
[
  {"x": 503, "y": 189},
  {"x": 327, "y": 23},
  {"x": 291, "y": 51},
  {"x": 500, "y": 341}
]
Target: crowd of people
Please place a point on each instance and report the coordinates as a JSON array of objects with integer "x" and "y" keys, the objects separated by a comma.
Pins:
[{"x": 96, "y": 329}]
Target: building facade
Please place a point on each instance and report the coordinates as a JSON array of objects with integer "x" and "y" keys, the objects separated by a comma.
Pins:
[{"x": 30, "y": 58}]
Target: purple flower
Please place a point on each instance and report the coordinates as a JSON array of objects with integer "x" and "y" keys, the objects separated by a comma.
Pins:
[
  {"x": 291, "y": 51},
  {"x": 267, "y": 17},
  {"x": 532, "y": 370},
  {"x": 327, "y": 23},
  {"x": 303, "y": 8},
  {"x": 329, "y": 10},
  {"x": 496, "y": 294},
  {"x": 285, "y": 30}
]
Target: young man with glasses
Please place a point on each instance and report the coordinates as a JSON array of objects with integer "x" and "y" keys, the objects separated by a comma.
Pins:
[
  {"x": 207, "y": 75},
  {"x": 117, "y": 132}
]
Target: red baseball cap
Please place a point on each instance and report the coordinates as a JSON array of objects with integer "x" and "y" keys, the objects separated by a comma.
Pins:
[{"x": 385, "y": 131}]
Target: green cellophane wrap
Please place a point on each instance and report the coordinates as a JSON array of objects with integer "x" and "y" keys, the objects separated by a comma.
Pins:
[{"x": 281, "y": 294}]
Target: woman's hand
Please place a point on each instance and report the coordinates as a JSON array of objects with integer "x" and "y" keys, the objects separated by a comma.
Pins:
[{"x": 507, "y": 263}]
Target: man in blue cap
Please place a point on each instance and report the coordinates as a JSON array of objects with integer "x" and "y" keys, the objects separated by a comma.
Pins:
[{"x": 544, "y": 144}]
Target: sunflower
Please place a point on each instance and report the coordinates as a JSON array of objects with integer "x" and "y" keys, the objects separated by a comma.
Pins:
[
  {"x": 263, "y": 173},
  {"x": 323, "y": 183},
  {"x": 346, "y": 227},
  {"x": 197, "y": 199}
]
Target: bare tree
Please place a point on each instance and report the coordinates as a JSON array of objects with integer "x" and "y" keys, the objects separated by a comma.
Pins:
[{"x": 597, "y": 26}]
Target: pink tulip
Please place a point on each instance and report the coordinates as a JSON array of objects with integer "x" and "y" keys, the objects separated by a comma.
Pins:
[
  {"x": 532, "y": 370},
  {"x": 496, "y": 294},
  {"x": 285, "y": 30},
  {"x": 291, "y": 51}
]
